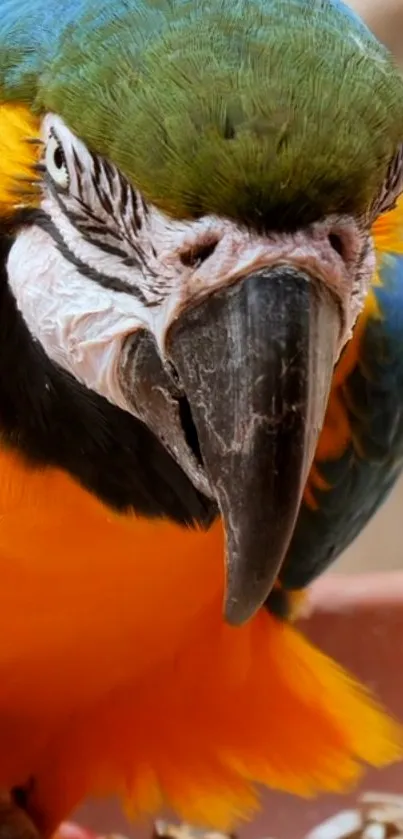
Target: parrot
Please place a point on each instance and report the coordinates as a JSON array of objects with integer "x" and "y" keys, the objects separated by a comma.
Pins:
[{"x": 201, "y": 396}]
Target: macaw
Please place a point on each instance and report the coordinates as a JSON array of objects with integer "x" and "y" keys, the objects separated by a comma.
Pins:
[{"x": 201, "y": 395}]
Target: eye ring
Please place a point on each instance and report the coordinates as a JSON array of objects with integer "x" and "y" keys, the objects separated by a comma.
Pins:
[{"x": 55, "y": 162}]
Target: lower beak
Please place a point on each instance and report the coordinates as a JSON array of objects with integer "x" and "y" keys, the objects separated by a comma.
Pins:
[{"x": 255, "y": 362}]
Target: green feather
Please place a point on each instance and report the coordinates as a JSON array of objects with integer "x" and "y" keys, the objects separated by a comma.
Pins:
[{"x": 272, "y": 113}]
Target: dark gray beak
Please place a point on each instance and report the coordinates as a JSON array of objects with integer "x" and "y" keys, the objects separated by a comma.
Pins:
[{"x": 255, "y": 362}]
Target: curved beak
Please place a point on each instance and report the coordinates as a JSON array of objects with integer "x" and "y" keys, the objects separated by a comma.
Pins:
[{"x": 255, "y": 362}]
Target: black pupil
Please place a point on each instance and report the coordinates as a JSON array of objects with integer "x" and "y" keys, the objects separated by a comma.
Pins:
[{"x": 58, "y": 158}]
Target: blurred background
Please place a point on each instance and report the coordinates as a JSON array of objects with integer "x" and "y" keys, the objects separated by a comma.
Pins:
[
  {"x": 385, "y": 17},
  {"x": 381, "y": 544}
]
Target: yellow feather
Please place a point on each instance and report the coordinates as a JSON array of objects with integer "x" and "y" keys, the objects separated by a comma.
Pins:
[
  {"x": 388, "y": 230},
  {"x": 17, "y": 156}
]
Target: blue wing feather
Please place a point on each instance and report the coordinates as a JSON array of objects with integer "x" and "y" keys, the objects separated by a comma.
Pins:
[{"x": 361, "y": 479}]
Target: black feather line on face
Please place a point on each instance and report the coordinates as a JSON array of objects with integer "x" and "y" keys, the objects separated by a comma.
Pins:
[
  {"x": 53, "y": 420},
  {"x": 34, "y": 216}
]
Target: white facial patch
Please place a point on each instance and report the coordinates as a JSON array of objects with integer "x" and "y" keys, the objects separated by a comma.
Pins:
[
  {"x": 97, "y": 264},
  {"x": 79, "y": 324}
]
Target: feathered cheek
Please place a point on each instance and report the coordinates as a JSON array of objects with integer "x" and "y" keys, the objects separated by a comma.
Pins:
[{"x": 79, "y": 324}]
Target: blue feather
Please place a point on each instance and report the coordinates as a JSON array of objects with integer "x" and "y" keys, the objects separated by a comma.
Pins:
[
  {"x": 32, "y": 29},
  {"x": 362, "y": 478}
]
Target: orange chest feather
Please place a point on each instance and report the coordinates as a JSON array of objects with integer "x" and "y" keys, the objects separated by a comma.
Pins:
[{"x": 101, "y": 593}]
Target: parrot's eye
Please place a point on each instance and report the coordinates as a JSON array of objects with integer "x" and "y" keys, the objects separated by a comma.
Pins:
[{"x": 55, "y": 162}]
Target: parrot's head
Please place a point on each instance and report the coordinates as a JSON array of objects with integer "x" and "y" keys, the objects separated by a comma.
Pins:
[{"x": 200, "y": 246}]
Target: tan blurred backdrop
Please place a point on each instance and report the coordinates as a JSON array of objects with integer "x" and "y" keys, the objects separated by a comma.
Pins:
[
  {"x": 381, "y": 544},
  {"x": 385, "y": 17}
]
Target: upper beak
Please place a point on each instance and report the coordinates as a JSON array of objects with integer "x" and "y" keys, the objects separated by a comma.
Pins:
[{"x": 255, "y": 362}]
